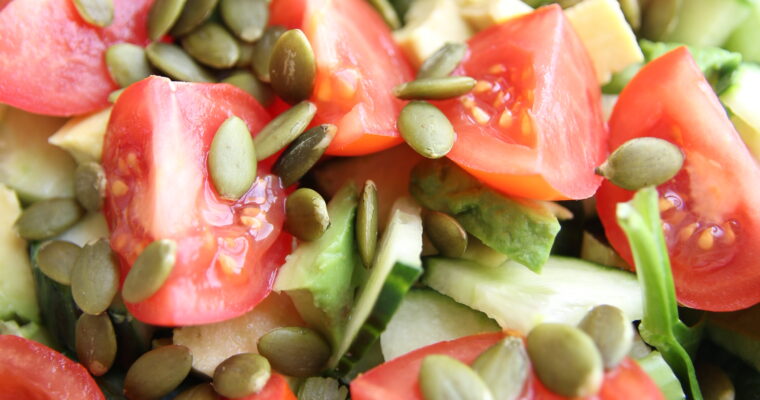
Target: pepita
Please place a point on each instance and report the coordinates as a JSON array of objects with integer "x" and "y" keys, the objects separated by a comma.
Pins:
[
  {"x": 283, "y": 129},
  {"x": 47, "y": 218},
  {"x": 446, "y": 378},
  {"x": 435, "y": 88},
  {"x": 306, "y": 214},
  {"x": 193, "y": 15},
  {"x": 295, "y": 351},
  {"x": 366, "y": 223},
  {"x": 446, "y": 234},
  {"x": 157, "y": 372},
  {"x": 246, "y": 53},
  {"x": 149, "y": 271},
  {"x": 641, "y": 162},
  {"x": 303, "y": 153},
  {"x": 177, "y": 64},
  {"x": 204, "y": 391},
  {"x": 262, "y": 52},
  {"x": 386, "y": 10},
  {"x": 632, "y": 12},
  {"x": 443, "y": 62},
  {"x": 56, "y": 260},
  {"x": 127, "y": 63},
  {"x": 241, "y": 375},
  {"x": 95, "y": 342},
  {"x": 714, "y": 383},
  {"x": 248, "y": 82},
  {"x": 232, "y": 159},
  {"x": 212, "y": 45},
  {"x": 95, "y": 12},
  {"x": 504, "y": 368},
  {"x": 162, "y": 16},
  {"x": 246, "y": 18},
  {"x": 90, "y": 185},
  {"x": 426, "y": 129},
  {"x": 611, "y": 331},
  {"x": 95, "y": 277},
  {"x": 660, "y": 18},
  {"x": 292, "y": 67}
]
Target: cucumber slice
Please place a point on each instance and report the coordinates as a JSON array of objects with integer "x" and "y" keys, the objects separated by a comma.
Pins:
[
  {"x": 520, "y": 299},
  {"x": 426, "y": 317},
  {"x": 657, "y": 369},
  {"x": 746, "y": 37},
  {"x": 741, "y": 100},
  {"x": 707, "y": 22}
]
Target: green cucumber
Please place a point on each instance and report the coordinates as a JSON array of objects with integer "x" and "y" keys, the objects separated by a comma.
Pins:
[
  {"x": 657, "y": 369},
  {"x": 745, "y": 38},
  {"x": 133, "y": 337},
  {"x": 707, "y": 22},
  {"x": 741, "y": 100}
]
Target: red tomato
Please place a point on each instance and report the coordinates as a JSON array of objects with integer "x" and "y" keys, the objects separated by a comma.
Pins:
[
  {"x": 52, "y": 62},
  {"x": 358, "y": 64},
  {"x": 533, "y": 125},
  {"x": 276, "y": 389},
  {"x": 32, "y": 371},
  {"x": 709, "y": 210},
  {"x": 397, "y": 379},
  {"x": 155, "y": 161}
]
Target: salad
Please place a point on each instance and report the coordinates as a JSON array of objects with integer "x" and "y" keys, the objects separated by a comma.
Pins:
[{"x": 379, "y": 199}]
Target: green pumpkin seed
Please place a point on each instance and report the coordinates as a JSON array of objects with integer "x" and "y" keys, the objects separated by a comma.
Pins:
[
  {"x": 212, "y": 45},
  {"x": 157, "y": 372},
  {"x": 714, "y": 383},
  {"x": 149, "y": 271},
  {"x": 632, "y": 12},
  {"x": 641, "y": 162},
  {"x": 113, "y": 96},
  {"x": 306, "y": 214},
  {"x": 193, "y": 15},
  {"x": 504, "y": 368},
  {"x": 443, "y": 62},
  {"x": 175, "y": 63},
  {"x": 445, "y": 233},
  {"x": 95, "y": 277},
  {"x": 262, "y": 52},
  {"x": 292, "y": 67},
  {"x": 242, "y": 375},
  {"x": 303, "y": 153},
  {"x": 386, "y": 10},
  {"x": 162, "y": 16},
  {"x": 565, "y": 360},
  {"x": 426, "y": 129},
  {"x": 95, "y": 342},
  {"x": 246, "y": 18},
  {"x": 611, "y": 331},
  {"x": 232, "y": 159},
  {"x": 446, "y": 378},
  {"x": 660, "y": 18},
  {"x": 56, "y": 260},
  {"x": 319, "y": 388},
  {"x": 90, "y": 185},
  {"x": 284, "y": 129},
  {"x": 246, "y": 53},
  {"x": 366, "y": 223},
  {"x": 248, "y": 82},
  {"x": 127, "y": 63},
  {"x": 435, "y": 88},
  {"x": 295, "y": 351},
  {"x": 47, "y": 218},
  {"x": 204, "y": 391},
  {"x": 95, "y": 12}
]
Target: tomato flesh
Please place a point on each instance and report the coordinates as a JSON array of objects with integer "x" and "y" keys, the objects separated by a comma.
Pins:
[
  {"x": 155, "y": 161},
  {"x": 277, "y": 388},
  {"x": 32, "y": 371},
  {"x": 709, "y": 209}
]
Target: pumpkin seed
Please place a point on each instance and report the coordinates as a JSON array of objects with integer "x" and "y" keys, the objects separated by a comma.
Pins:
[
  {"x": 95, "y": 277},
  {"x": 232, "y": 159},
  {"x": 248, "y": 82},
  {"x": 435, "y": 88},
  {"x": 204, "y": 391},
  {"x": 113, "y": 96},
  {"x": 56, "y": 260},
  {"x": 366, "y": 223},
  {"x": 262, "y": 52},
  {"x": 611, "y": 331},
  {"x": 175, "y": 63},
  {"x": 641, "y": 162},
  {"x": 193, "y": 15},
  {"x": 292, "y": 67},
  {"x": 714, "y": 383},
  {"x": 149, "y": 271},
  {"x": 446, "y": 234},
  {"x": 284, "y": 129},
  {"x": 246, "y": 53},
  {"x": 212, "y": 45},
  {"x": 565, "y": 359},
  {"x": 306, "y": 214},
  {"x": 443, "y": 62},
  {"x": 246, "y": 18},
  {"x": 660, "y": 18},
  {"x": 127, "y": 63},
  {"x": 632, "y": 12},
  {"x": 95, "y": 342},
  {"x": 242, "y": 375},
  {"x": 162, "y": 16},
  {"x": 504, "y": 368},
  {"x": 303, "y": 153},
  {"x": 157, "y": 372},
  {"x": 446, "y": 378},
  {"x": 295, "y": 351},
  {"x": 426, "y": 129},
  {"x": 319, "y": 388},
  {"x": 90, "y": 185},
  {"x": 47, "y": 218},
  {"x": 95, "y": 12},
  {"x": 386, "y": 10}
]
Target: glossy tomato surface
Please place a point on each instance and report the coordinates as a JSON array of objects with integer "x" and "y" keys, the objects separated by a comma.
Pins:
[
  {"x": 52, "y": 62},
  {"x": 533, "y": 125},
  {"x": 155, "y": 158},
  {"x": 277, "y": 388},
  {"x": 358, "y": 64},
  {"x": 709, "y": 209},
  {"x": 32, "y": 371}
]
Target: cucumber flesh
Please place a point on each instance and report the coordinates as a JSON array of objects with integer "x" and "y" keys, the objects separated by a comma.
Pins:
[
  {"x": 659, "y": 370},
  {"x": 745, "y": 38},
  {"x": 90, "y": 228},
  {"x": 741, "y": 99},
  {"x": 708, "y": 22}
]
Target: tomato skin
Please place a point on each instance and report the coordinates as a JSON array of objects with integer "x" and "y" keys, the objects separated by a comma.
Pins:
[
  {"x": 32, "y": 371},
  {"x": 276, "y": 389},
  {"x": 155, "y": 161},
  {"x": 52, "y": 62},
  {"x": 533, "y": 126},
  {"x": 709, "y": 210},
  {"x": 358, "y": 64}
]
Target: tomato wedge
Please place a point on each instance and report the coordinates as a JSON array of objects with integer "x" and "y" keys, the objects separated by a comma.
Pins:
[
  {"x": 277, "y": 388},
  {"x": 32, "y": 371},
  {"x": 709, "y": 209},
  {"x": 533, "y": 125},
  {"x": 52, "y": 62},
  {"x": 398, "y": 378},
  {"x": 155, "y": 161},
  {"x": 358, "y": 64}
]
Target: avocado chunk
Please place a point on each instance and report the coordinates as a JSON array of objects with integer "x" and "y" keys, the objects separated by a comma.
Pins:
[
  {"x": 83, "y": 136},
  {"x": 524, "y": 230},
  {"x": 741, "y": 100}
]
